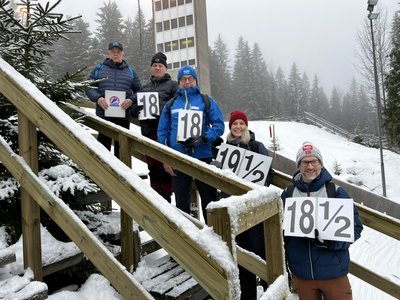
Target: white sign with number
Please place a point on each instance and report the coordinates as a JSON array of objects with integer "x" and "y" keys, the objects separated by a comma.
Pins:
[
  {"x": 150, "y": 105},
  {"x": 114, "y": 100},
  {"x": 246, "y": 164},
  {"x": 333, "y": 217},
  {"x": 190, "y": 124}
]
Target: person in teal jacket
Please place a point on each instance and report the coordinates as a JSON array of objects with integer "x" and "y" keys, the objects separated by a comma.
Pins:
[{"x": 197, "y": 140}]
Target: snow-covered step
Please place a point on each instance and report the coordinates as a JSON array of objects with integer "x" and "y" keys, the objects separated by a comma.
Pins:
[
  {"x": 166, "y": 279},
  {"x": 7, "y": 257},
  {"x": 22, "y": 288}
]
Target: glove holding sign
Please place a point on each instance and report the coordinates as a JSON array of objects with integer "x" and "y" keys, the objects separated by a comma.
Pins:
[
  {"x": 319, "y": 242},
  {"x": 195, "y": 141}
]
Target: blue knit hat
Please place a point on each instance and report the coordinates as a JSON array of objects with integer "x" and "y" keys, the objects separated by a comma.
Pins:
[{"x": 187, "y": 70}]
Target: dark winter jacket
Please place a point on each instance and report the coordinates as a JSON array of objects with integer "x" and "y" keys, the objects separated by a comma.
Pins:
[
  {"x": 118, "y": 78},
  {"x": 190, "y": 99},
  {"x": 166, "y": 88},
  {"x": 254, "y": 146},
  {"x": 306, "y": 259}
]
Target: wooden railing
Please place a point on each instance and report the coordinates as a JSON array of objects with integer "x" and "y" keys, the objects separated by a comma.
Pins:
[
  {"x": 178, "y": 236},
  {"x": 119, "y": 182}
]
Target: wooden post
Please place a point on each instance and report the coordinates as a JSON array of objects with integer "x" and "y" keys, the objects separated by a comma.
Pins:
[
  {"x": 220, "y": 221},
  {"x": 127, "y": 248},
  {"x": 274, "y": 247},
  {"x": 30, "y": 210},
  {"x": 194, "y": 202}
]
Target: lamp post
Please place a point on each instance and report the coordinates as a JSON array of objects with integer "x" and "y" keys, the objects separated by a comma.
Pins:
[{"x": 374, "y": 16}]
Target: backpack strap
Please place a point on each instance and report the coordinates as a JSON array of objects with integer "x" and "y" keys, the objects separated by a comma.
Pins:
[
  {"x": 289, "y": 191},
  {"x": 97, "y": 71},
  {"x": 330, "y": 189}
]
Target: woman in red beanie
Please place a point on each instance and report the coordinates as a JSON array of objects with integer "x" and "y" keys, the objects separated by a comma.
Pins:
[{"x": 252, "y": 239}]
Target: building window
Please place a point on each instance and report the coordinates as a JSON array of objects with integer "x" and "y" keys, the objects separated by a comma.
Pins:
[
  {"x": 165, "y": 4},
  {"x": 182, "y": 43},
  {"x": 192, "y": 62},
  {"x": 160, "y": 47},
  {"x": 189, "y": 20},
  {"x": 172, "y": 3},
  {"x": 169, "y": 66},
  {"x": 166, "y": 25},
  {"x": 183, "y": 63},
  {"x": 181, "y": 2},
  {"x": 181, "y": 21},
  {"x": 159, "y": 26},
  {"x": 157, "y": 5},
  {"x": 176, "y": 65},
  {"x": 190, "y": 42},
  {"x": 167, "y": 46},
  {"x": 174, "y": 23},
  {"x": 175, "y": 45},
  {"x": 188, "y": 1}
]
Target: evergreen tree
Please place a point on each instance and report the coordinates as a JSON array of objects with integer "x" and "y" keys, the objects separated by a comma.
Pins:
[
  {"x": 220, "y": 76},
  {"x": 319, "y": 104},
  {"x": 392, "y": 110},
  {"x": 242, "y": 79},
  {"x": 335, "y": 108},
  {"x": 110, "y": 25},
  {"x": 73, "y": 53},
  {"x": 257, "y": 97},
  {"x": 294, "y": 91},
  {"x": 280, "y": 108},
  {"x": 304, "y": 100}
]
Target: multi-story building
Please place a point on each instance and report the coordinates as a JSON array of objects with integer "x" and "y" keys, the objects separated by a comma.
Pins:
[{"x": 181, "y": 34}]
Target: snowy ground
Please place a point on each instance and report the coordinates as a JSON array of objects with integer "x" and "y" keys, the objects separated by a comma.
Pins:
[{"x": 374, "y": 250}]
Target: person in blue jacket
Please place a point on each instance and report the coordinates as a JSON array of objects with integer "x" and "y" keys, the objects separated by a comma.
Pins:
[
  {"x": 318, "y": 266},
  {"x": 199, "y": 137},
  {"x": 116, "y": 75}
]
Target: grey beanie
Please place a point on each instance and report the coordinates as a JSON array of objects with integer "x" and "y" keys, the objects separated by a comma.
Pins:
[{"x": 306, "y": 150}]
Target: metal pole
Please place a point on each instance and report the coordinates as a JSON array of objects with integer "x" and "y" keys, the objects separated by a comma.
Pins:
[{"x": 378, "y": 108}]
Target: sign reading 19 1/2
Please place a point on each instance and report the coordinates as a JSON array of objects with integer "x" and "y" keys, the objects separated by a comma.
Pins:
[
  {"x": 246, "y": 164},
  {"x": 333, "y": 217},
  {"x": 150, "y": 104}
]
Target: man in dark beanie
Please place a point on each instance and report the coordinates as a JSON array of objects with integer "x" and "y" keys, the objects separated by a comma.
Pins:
[{"x": 159, "y": 82}]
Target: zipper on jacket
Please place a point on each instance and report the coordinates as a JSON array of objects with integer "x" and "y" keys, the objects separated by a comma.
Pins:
[{"x": 309, "y": 247}]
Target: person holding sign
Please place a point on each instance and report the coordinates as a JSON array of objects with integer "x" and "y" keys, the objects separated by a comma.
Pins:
[
  {"x": 252, "y": 239},
  {"x": 152, "y": 99},
  {"x": 318, "y": 265},
  {"x": 115, "y": 92},
  {"x": 189, "y": 126}
]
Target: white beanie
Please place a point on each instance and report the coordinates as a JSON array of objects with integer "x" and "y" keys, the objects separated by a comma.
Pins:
[{"x": 306, "y": 150}]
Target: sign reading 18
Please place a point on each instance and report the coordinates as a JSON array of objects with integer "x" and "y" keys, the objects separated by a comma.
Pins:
[
  {"x": 190, "y": 123},
  {"x": 150, "y": 105}
]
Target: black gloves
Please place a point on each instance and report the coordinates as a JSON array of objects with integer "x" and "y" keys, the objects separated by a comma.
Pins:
[
  {"x": 195, "y": 141},
  {"x": 135, "y": 110},
  {"x": 319, "y": 242}
]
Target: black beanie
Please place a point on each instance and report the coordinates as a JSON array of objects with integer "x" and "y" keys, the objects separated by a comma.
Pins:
[{"x": 159, "y": 58}]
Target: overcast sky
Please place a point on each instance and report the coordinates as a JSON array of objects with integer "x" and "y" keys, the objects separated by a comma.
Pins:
[{"x": 318, "y": 35}]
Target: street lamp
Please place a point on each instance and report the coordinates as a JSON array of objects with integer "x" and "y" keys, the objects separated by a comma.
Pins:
[{"x": 374, "y": 16}]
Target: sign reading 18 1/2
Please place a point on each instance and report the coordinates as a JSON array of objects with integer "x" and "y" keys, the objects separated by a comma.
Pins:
[
  {"x": 246, "y": 164},
  {"x": 190, "y": 124},
  {"x": 333, "y": 217},
  {"x": 150, "y": 105}
]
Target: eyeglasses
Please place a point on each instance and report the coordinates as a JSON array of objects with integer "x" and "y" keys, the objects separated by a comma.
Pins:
[
  {"x": 189, "y": 78},
  {"x": 314, "y": 163}
]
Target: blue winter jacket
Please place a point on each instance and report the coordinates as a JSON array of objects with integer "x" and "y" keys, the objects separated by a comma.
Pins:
[
  {"x": 190, "y": 98},
  {"x": 119, "y": 78},
  {"x": 306, "y": 260}
]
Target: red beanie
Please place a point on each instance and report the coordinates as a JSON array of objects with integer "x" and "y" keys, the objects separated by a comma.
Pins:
[{"x": 236, "y": 115}]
